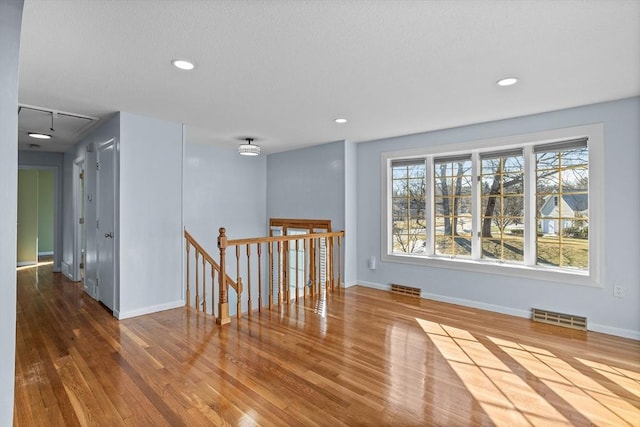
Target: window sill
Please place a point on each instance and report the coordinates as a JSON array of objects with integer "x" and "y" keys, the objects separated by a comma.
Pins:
[{"x": 548, "y": 274}]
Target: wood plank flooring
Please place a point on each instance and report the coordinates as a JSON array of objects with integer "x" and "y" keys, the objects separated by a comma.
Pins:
[{"x": 365, "y": 357}]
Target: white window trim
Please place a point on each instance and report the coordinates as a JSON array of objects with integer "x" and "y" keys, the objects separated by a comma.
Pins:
[{"x": 593, "y": 278}]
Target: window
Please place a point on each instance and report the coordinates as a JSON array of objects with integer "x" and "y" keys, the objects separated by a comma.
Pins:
[
  {"x": 408, "y": 206},
  {"x": 452, "y": 199},
  {"x": 502, "y": 206},
  {"x": 562, "y": 175},
  {"x": 519, "y": 206}
]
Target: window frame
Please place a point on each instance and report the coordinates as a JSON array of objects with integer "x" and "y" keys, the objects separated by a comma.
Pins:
[{"x": 528, "y": 269}]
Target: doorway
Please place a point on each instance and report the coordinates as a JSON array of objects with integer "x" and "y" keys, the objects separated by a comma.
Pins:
[
  {"x": 36, "y": 216},
  {"x": 106, "y": 224},
  {"x": 80, "y": 236}
]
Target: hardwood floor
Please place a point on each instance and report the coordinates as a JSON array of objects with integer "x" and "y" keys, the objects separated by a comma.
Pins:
[{"x": 370, "y": 359}]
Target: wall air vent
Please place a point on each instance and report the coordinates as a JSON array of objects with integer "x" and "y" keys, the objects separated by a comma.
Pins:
[
  {"x": 559, "y": 319},
  {"x": 405, "y": 290}
]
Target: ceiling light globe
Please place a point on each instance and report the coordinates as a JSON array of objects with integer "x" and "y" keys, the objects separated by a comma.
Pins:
[
  {"x": 183, "y": 64},
  {"x": 509, "y": 81}
]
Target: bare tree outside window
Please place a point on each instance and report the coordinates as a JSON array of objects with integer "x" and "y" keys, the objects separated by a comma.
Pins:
[
  {"x": 452, "y": 191},
  {"x": 409, "y": 222},
  {"x": 502, "y": 180},
  {"x": 443, "y": 219}
]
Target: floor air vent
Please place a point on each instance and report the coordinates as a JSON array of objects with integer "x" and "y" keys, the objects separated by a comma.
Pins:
[
  {"x": 559, "y": 319},
  {"x": 405, "y": 290}
]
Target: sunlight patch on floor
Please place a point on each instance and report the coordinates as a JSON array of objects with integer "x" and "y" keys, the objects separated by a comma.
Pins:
[
  {"x": 504, "y": 396},
  {"x": 626, "y": 379},
  {"x": 40, "y": 264},
  {"x": 591, "y": 399}
]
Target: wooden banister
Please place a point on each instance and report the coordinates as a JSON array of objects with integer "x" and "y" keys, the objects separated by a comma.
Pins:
[
  {"x": 208, "y": 258},
  {"x": 284, "y": 238},
  {"x": 315, "y": 271}
]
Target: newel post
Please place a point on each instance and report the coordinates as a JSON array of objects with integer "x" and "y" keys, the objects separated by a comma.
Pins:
[{"x": 223, "y": 304}]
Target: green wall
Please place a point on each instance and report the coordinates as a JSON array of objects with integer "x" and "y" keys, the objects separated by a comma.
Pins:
[
  {"x": 27, "y": 249},
  {"x": 35, "y": 214},
  {"x": 45, "y": 211}
]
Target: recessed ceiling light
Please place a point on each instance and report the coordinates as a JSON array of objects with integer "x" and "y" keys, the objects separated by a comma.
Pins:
[
  {"x": 37, "y": 135},
  {"x": 509, "y": 81},
  {"x": 340, "y": 120},
  {"x": 183, "y": 64}
]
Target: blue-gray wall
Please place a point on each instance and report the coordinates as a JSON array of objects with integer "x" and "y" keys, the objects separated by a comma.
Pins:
[
  {"x": 620, "y": 316},
  {"x": 10, "y": 23},
  {"x": 150, "y": 215},
  {"x": 149, "y": 219},
  {"x": 308, "y": 183},
  {"x": 224, "y": 189}
]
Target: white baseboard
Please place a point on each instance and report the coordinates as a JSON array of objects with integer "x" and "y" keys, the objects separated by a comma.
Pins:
[
  {"x": 66, "y": 270},
  {"x": 458, "y": 301},
  {"x": 480, "y": 305},
  {"x": 120, "y": 315},
  {"x": 624, "y": 333},
  {"x": 349, "y": 284},
  {"x": 24, "y": 263},
  {"x": 375, "y": 285},
  {"x": 90, "y": 287}
]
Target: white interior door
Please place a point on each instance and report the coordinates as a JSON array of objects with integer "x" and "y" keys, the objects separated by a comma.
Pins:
[{"x": 105, "y": 204}]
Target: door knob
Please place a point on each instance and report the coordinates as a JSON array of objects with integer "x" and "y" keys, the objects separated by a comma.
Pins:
[{"x": 110, "y": 235}]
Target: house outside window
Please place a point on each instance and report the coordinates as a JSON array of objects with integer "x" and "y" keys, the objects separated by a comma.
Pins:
[{"x": 519, "y": 206}]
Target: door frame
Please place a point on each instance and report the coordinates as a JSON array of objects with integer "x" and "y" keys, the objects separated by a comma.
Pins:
[
  {"x": 79, "y": 165},
  {"x": 116, "y": 225}
]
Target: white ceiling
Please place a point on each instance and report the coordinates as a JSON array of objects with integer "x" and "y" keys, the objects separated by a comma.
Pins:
[{"x": 281, "y": 71}]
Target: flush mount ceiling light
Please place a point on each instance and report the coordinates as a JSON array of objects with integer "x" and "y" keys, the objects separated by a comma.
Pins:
[
  {"x": 340, "y": 120},
  {"x": 509, "y": 81},
  {"x": 249, "y": 149},
  {"x": 37, "y": 135},
  {"x": 183, "y": 64}
]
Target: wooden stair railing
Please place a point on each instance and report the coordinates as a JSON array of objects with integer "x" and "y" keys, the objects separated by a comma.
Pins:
[
  {"x": 321, "y": 267},
  {"x": 200, "y": 267},
  {"x": 317, "y": 260}
]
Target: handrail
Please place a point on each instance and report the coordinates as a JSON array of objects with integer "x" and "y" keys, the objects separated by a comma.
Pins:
[
  {"x": 317, "y": 268},
  {"x": 209, "y": 259},
  {"x": 308, "y": 236},
  {"x": 293, "y": 267}
]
